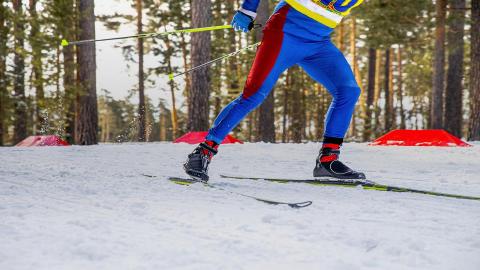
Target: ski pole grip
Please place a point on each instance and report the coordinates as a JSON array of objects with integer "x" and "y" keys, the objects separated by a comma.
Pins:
[
  {"x": 253, "y": 25},
  {"x": 257, "y": 26}
]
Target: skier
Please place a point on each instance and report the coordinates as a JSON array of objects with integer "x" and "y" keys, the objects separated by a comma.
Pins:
[{"x": 298, "y": 32}]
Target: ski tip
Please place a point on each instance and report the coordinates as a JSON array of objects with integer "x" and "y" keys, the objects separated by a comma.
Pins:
[
  {"x": 64, "y": 43},
  {"x": 300, "y": 205},
  {"x": 186, "y": 181}
]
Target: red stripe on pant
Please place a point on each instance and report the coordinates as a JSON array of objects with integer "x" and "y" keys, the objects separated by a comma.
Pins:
[{"x": 267, "y": 52}]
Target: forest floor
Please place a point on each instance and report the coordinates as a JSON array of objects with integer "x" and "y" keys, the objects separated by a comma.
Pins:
[{"x": 91, "y": 208}]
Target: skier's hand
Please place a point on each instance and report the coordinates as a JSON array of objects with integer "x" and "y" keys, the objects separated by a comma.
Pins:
[{"x": 242, "y": 22}]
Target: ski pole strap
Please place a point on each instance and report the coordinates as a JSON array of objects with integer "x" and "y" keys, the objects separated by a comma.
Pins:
[
  {"x": 171, "y": 76},
  {"x": 65, "y": 42},
  {"x": 253, "y": 25}
]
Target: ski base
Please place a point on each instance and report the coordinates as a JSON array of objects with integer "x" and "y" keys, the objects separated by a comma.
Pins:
[{"x": 368, "y": 185}]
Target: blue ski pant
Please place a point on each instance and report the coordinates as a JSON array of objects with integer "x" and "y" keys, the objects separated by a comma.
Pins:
[{"x": 280, "y": 50}]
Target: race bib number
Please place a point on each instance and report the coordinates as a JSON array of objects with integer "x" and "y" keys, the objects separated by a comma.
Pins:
[{"x": 338, "y": 5}]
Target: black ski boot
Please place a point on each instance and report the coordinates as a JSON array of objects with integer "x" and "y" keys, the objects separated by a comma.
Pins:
[
  {"x": 197, "y": 163},
  {"x": 329, "y": 166}
]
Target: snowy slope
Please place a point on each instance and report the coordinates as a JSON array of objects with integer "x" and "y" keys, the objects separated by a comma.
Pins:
[{"x": 90, "y": 208}]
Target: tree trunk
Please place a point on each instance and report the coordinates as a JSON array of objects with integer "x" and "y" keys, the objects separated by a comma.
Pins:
[
  {"x": 377, "y": 128},
  {"x": 340, "y": 32},
  {"x": 70, "y": 92},
  {"x": 415, "y": 112},
  {"x": 20, "y": 124},
  {"x": 474, "y": 126},
  {"x": 87, "y": 114},
  {"x": 3, "y": 68},
  {"x": 401, "y": 110},
  {"x": 370, "y": 93},
  {"x": 436, "y": 113},
  {"x": 320, "y": 112},
  {"x": 141, "y": 77},
  {"x": 37, "y": 68},
  {"x": 266, "y": 120},
  {"x": 198, "y": 108},
  {"x": 183, "y": 45},
  {"x": 454, "y": 89},
  {"x": 303, "y": 104},
  {"x": 171, "y": 83},
  {"x": 69, "y": 31},
  {"x": 388, "y": 117},
  {"x": 285, "y": 108},
  {"x": 296, "y": 108},
  {"x": 232, "y": 71},
  {"x": 309, "y": 111},
  {"x": 390, "y": 89},
  {"x": 163, "y": 125}
]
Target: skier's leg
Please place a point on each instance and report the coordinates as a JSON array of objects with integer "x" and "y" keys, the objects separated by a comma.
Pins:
[
  {"x": 330, "y": 68},
  {"x": 267, "y": 67},
  {"x": 277, "y": 52}
]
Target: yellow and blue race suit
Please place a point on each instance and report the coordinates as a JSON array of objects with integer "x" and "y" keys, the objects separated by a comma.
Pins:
[{"x": 298, "y": 32}]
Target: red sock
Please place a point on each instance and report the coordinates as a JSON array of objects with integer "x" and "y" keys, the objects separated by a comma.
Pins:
[
  {"x": 326, "y": 155},
  {"x": 213, "y": 145}
]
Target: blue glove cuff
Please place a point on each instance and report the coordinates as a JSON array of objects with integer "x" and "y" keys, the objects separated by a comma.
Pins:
[{"x": 252, "y": 14}]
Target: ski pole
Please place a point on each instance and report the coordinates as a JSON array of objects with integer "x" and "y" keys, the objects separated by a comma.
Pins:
[
  {"x": 65, "y": 42},
  {"x": 148, "y": 35},
  {"x": 171, "y": 76}
]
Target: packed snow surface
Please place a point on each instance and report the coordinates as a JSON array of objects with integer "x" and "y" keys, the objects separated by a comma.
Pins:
[{"x": 91, "y": 208}]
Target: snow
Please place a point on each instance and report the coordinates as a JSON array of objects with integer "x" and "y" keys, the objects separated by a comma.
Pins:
[{"x": 90, "y": 208}]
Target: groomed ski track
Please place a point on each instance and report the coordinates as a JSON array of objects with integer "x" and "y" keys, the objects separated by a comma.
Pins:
[{"x": 90, "y": 208}]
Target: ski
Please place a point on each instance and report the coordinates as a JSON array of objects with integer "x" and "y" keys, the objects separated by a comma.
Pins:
[
  {"x": 188, "y": 181},
  {"x": 368, "y": 185}
]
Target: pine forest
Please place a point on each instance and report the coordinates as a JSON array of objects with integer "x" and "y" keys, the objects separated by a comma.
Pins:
[{"x": 417, "y": 63}]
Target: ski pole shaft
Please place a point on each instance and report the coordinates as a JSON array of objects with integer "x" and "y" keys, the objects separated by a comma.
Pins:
[
  {"x": 148, "y": 35},
  {"x": 171, "y": 76}
]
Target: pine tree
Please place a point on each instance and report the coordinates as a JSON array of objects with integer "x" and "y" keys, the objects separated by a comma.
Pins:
[
  {"x": 87, "y": 113},
  {"x": 37, "y": 46},
  {"x": 386, "y": 87},
  {"x": 266, "y": 119},
  {"x": 370, "y": 93},
  {"x": 376, "y": 97},
  {"x": 21, "y": 106},
  {"x": 61, "y": 16},
  {"x": 4, "y": 28},
  {"x": 141, "y": 76},
  {"x": 68, "y": 31},
  {"x": 474, "y": 126},
  {"x": 454, "y": 90},
  {"x": 436, "y": 114},
  {"x": 387, "y": 24},
  {"x": 400, "y": 92},
  {"x": 296, "y": 104},
  {"x": 168, "y": 48},
  {"x": 233, "y": 70},
  {"x": 285, "y": 108},
  {"x": 171, "y": 84},
  {"x": 198, "y": 105}
]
